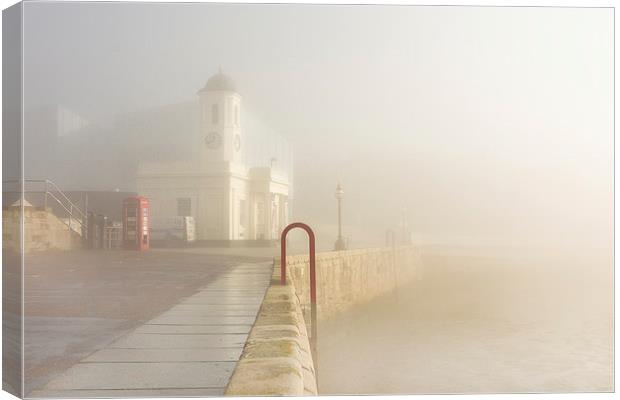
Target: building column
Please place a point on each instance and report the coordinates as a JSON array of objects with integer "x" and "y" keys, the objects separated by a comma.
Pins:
[
  {"x": 283, "y": 220},
  {"x": 275, "y": 217}
]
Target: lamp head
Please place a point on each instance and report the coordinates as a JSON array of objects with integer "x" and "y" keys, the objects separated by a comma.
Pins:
[{"x": 339, "y": 191}]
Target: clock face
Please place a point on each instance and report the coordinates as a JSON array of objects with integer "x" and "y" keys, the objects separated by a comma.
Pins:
[
  {"x": 237, "y": 142},
  {"x": 213, "y": 140}
]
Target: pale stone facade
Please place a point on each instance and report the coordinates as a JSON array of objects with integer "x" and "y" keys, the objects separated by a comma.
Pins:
[{"x": 229, "y": 199}]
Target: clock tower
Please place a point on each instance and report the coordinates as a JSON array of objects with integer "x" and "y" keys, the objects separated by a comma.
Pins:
[{"x": 220, "y": 121}]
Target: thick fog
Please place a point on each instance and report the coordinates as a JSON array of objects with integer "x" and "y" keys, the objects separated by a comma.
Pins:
[{"x": 475, "y": 124}]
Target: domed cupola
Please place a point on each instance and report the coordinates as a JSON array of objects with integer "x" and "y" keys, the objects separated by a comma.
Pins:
[{"x": 219, "y": 82}]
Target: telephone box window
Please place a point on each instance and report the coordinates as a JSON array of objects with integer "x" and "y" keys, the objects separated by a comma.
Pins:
[{"x": 184, "y": 207}]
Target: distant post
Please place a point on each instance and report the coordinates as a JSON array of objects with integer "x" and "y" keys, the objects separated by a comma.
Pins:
[{"x": 339, "y": 245}]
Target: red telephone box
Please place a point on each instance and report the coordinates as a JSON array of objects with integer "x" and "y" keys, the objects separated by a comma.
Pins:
[{"x": 136, "y": 223}]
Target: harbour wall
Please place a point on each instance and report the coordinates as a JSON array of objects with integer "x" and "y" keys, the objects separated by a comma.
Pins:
[
  {"x": 348, "y": 278},
  {"x": 277, "y": 359}
]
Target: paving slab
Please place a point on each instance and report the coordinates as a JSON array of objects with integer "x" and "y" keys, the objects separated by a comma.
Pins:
[
  {"x": 107, "y": 393},
  {"x": 193, "y": 329},
  {"x": 208, "y": 312},
  {"x": 248, "y": 300},
  {"x": 229, "y": 295},
  {"x": 241, "y": 302},
  {"x": 243, "y": 278},
  {"x": 214, "y": 300},
  {"x": 229, "y": 291},
  {"x": 163, "y": 375},
  {"x": 198, "y": 306},
  {"x": 175, "y": 341},
  {"x": 165, "y": 355},
  {"x": 231, "y": 286},
  {"x": 194, "y": 320}
]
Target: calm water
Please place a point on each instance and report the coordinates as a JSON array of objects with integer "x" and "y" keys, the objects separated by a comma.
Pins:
[{"x": 479, "y": 322}]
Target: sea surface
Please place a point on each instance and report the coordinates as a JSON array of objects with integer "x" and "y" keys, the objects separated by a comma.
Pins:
[{"x": 480, "y": 320}]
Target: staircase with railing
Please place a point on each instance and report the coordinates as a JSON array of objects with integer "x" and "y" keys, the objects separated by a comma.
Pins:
[{"x": 45, "y": 193}]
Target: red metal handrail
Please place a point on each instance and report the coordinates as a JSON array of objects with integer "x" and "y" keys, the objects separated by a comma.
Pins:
[
  {"x": 311, "y": 248},
  {"x": 314, "y": 337}
]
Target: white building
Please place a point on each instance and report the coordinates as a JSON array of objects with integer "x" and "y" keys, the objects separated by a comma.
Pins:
[{"x": 232, "y": 182}]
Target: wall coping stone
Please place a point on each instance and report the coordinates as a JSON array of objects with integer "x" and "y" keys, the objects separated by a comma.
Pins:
[{"x": 276, "y": 359}]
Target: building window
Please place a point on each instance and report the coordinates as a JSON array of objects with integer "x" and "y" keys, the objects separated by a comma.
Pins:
[
  {"x": 184, "y": 207},
  {"x": 214, "y": 114}
]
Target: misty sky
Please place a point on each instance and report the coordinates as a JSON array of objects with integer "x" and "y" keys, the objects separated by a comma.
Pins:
[{"x": 487, "y": 121}]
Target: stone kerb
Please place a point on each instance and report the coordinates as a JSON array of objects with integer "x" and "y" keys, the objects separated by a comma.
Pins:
[{"x": 276, "y": 359}]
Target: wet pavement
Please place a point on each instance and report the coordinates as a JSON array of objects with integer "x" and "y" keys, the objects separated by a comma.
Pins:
[{"x": 93, "y": 318}]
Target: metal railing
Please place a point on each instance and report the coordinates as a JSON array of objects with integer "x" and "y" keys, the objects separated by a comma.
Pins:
[
  {"x": 51, "y": 191},
  {"x": 112, "y": 237}
]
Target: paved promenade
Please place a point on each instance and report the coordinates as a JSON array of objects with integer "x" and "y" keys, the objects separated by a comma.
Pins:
[{"x": 189, "y": 350}]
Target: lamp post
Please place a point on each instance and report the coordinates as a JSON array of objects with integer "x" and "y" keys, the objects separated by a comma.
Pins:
[{"x": 339, "y": 245}]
